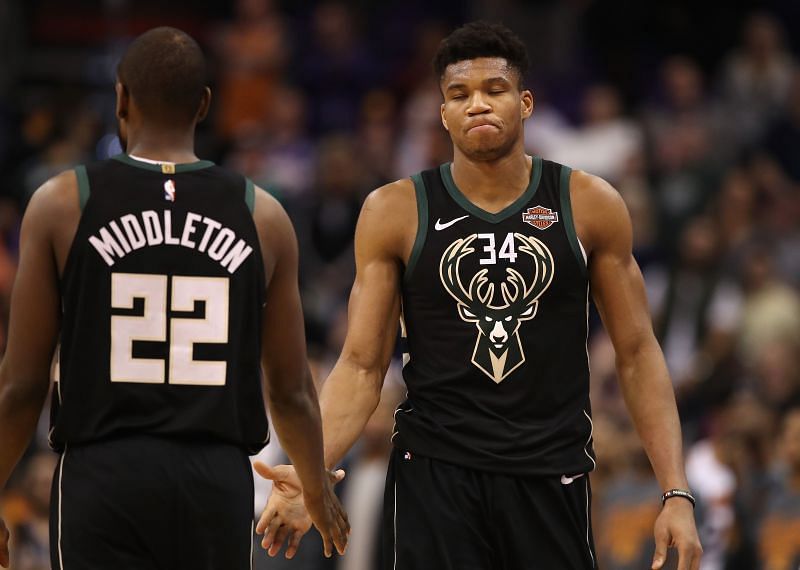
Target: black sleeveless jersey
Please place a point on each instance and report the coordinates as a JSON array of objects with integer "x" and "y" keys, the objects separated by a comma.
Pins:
[
  {"x": 495, "y": 319},
  {"x": 162, "y": 295}
]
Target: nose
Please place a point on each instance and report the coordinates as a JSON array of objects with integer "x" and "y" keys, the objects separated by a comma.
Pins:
[
  {"x": 477, "y": 104},
  {"x": 498, "y": 334}
]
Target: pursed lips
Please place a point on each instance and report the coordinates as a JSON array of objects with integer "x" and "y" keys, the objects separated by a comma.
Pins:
[{"x": 483, "y": 126}]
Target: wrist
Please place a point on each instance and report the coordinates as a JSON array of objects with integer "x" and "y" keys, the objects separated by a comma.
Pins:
[{"x": 682, "y": 494}]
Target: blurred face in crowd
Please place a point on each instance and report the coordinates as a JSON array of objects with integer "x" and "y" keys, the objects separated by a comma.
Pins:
[
  {"x": 791, "y": 439},
  {"x": 484, "y": 107}
]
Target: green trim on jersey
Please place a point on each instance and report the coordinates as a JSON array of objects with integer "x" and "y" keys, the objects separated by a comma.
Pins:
[
  {"x": 186, "y": 167},
  {"x": 83, "y": 185},
  {"x": 508, "y": 211},
  {"x": 566, "y": 214},
  {"x": 422, "y": 224},
  {"x": 249, "y": 195}
]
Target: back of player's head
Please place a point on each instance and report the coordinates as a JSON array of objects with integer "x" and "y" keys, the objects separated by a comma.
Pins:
[
  {"x": 481, "y": 39},
  {"x": 164, "y": 71}
]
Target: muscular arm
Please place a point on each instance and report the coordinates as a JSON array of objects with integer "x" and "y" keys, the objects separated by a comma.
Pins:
[
  {"x": 34, "y": 323},
  {"x": 352, "y": 391},
  {"x": 618, "y": 289},
  {"x": 292, "y": 398}
]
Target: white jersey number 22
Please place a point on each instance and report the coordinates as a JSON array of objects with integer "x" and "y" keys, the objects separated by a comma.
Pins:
[{"x": 152, "y": 326}]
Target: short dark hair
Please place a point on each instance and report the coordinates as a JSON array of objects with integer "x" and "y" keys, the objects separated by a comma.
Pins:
[
  {"x": 164, "y": 71},
  {"x": 481, "y": 39}
]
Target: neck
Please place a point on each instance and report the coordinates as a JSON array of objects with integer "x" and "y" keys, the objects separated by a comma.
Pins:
[
  {"x": 163, "y": 145},
  {"x": 502, "y": 179}
]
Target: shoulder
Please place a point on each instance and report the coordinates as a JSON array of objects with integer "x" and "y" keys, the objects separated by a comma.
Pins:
[
  {"x": 598, "y": 208},
  {"x": 388, "y": 219},
  {"x": 55, "y": 202},
  {"x": 389, "y": 197}
]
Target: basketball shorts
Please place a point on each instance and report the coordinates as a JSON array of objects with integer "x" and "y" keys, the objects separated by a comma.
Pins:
[
  {"x": 447, "y": 517},
  {"x": 146, "y": 503}
]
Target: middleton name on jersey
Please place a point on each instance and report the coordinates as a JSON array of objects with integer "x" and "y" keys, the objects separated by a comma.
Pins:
[{"x": 149, "y": 228}]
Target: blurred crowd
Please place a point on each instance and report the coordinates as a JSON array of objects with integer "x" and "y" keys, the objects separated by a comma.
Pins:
[{"x": 321, "y": 101}]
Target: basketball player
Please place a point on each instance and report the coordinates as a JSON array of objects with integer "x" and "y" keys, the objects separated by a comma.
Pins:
[
  {"x": 489, "y": 261},
  {"x": 152, "y": 269}
]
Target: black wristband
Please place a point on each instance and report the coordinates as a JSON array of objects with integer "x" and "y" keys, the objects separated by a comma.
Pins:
[{"x": 677, "y": 493}]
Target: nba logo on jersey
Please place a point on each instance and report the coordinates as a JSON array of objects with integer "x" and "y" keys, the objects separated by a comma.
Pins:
[{"x": 169, "y": 190}]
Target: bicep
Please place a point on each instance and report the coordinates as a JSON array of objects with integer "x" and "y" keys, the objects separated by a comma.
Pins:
[
  {"x": 617, "y": 284},
  {"x": 374, "y": 307}
]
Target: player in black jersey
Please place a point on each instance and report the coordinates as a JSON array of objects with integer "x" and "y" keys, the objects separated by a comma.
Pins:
[
  {"x": 169, "y": 282},
  {"x": 489, "y": 261}
]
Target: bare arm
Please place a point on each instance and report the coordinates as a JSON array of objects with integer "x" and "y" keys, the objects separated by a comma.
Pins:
[
  {"x": 33, "y": 330},
  {"x": 618, "y": 290},
  {"x": 385, "y": 230},
  {"x": 352, "y": 391},
  {"x": 292, "y": 397}
]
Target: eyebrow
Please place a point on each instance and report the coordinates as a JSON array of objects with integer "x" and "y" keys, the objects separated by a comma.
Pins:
[{"x": 488, "y": 81}]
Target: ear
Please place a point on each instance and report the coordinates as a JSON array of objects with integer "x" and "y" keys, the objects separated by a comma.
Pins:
[
  {"x": 444, "y": 121},
  {"x": 527, "y": 103},
  {"x": 530, "y": 312},
  {"x": 123, "y": 100},
  {"x": 205, "y": 104},
  {"x": 467, "y": 315}
]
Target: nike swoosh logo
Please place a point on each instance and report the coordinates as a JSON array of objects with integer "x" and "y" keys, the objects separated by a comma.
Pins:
[
  {"x": 568, "y": 480},
  {"x": 443, "y": 226}
]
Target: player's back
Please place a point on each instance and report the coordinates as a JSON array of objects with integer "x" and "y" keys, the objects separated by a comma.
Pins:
[{"x": 162, "y": 294}]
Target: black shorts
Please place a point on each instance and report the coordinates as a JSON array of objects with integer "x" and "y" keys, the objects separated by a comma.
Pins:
[
  {"x": 146, "y": 503},
  {"x": 445, "y": 517}
]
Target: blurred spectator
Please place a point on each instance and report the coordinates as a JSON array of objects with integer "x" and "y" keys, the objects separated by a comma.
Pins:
[
  {"x": 251, "y": 52},
  {"x": 782, "y": 140},
  {"x": 605, "y": 141},
  {"x": 280, "y": 159},
  {"x": 779, "y": 535},
  {"x": 424, "y": 143},
  {"x": 30, "y": 536},
  {"x": 628, "y": 509},
  {"x": 377, "y": 135},
  {"x": 326, "y": 226},
  {"x": 771, "y": 310},
  {"x": 696, "y": 309},
  {"x": 757, "y": 76},
  {"x": 336, "y": 67},
  {"x": 714, "y": 483},
  {"x": 686, "y": 141}
]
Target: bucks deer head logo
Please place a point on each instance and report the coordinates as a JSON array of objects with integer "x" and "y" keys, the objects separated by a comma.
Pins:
[{"x": 498, "y": 349}]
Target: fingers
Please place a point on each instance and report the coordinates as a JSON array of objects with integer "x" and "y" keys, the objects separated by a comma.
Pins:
[
  {"x": 293, "y": 544},
  {"x": 270, "y": 534},
  {"x": 689, "y": 555},
  {"x": 343, "y": 531},
  {"x": 280, "y": 537},
  {"x": 266, "y": 516},
  {"x": 660, "y": 556},
  {"x": 326, "y": 544}
]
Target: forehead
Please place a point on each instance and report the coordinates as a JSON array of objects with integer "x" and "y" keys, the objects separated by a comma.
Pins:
[{"x": 478, "y": 69}]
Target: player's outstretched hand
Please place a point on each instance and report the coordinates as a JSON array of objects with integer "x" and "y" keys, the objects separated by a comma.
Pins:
[
  {"x": 286, "y": 515},
  {"x": 675, "y": 527},
  {"x": 4, "y": 536}
]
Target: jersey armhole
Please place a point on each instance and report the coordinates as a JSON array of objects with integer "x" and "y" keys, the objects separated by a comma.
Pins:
[
  {"x": 83, "y": 185},
  {"x": 569, "y": 224},
  {"x": 422, "y": 224},
  {"x": 249, "y": 195}
]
